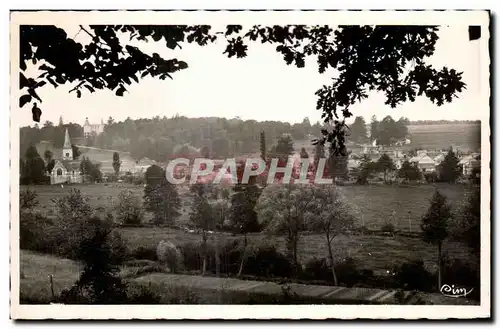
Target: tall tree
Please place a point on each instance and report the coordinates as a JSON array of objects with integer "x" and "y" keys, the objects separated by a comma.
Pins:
[
  {"x": 468, "y": 221},
  {"x": 450, "y": 169},
  {"x": 76, "y": 152},
  {"x": 91, "y": 172},
  {"x": 48, "y": 156},
  {"x": 284, "y": 209},
  {"x": 202, "y": 217},
  {"x": 435, "y": 225},
  {"x": 242, "y": 214},
  {"x": 116, "y": 163},
  {"x": 365, "y": 170},
  {"x": 33, "y": 168},
  {"x": 385, "y": 165},
  {"x": 263, "y": 146},
  {"x": 161, "y": 197},
  {"x": 358, "y": 131},
  {"x": 410, "y": 172},
  {"x": 331, "y": 216}
]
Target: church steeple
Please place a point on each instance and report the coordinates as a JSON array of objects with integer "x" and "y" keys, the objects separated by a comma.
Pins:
[
  {"x": 67, "y": 149},
  {"x": 87, "y": 122}
]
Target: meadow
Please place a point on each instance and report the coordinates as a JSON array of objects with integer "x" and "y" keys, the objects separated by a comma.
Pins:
[
  {"x": 374, "y": 205},
  {"x": 464, "y": 136}
]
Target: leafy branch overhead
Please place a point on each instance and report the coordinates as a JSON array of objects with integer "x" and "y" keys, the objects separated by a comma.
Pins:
[{"x": 388, "y": 59}]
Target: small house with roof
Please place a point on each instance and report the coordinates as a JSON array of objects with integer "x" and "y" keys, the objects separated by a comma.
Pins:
[{"x": 424, "y": 162}]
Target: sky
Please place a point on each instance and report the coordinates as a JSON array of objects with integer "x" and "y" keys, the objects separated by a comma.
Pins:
[{"x": 260, "y": 87}]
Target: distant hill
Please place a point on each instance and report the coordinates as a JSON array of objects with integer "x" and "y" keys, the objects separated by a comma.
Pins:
[
  {"x": 464, "y": 136},
  {"x": 444, "y": 122}
]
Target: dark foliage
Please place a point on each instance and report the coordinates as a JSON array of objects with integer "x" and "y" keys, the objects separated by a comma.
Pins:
[
  {"x": 99, "y": 282},
  {"x": 142, "y": 252},
  {"x": 266, "y": 261},
  {"x": 386, "y": 51},
  {"x": 32, "y": 168},
  {"x": 450, "y": 169},
  {"x": 409, "y": 172},
  {"x": 91, "y": 172},
  {"x": 160, "y": 197},
  {"x": 414, "y": 276}
]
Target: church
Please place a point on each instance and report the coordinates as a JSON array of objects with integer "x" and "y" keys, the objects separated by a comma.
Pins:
[{"x": 66, "y": 170}]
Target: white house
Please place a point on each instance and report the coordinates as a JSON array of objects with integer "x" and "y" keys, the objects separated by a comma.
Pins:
[
  {"x": 468, "y": 164},
  {"x": 424, "y": 162}
]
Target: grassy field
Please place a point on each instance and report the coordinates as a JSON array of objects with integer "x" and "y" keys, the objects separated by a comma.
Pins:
[
  {"x": 461, "y": 136},
  {"x": 378, "y": 253},
  {"x": 374, "y": 205},
  {"x": 35, "y": 272}
]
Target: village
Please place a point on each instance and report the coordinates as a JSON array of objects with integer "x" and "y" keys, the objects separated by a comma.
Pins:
[{"x": 67, "y": 168}]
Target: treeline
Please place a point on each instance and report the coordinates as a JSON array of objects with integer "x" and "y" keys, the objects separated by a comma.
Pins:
[
  {"x": 385, "y": 132},
  {"x": 30, "y": 136},
  {"x": 157, "y": 138}
]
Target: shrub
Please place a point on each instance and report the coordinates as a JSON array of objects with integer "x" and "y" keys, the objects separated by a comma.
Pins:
[
  {"x": 129, "y": 209},
  {"x": 170, "y": 255},
  {"x": 347, "y": 272},
  {"x": 388, "y": 228},
  {"x": 317, "y": 269},
  {"x": 230, "y": 257},
  {"x": 430, "y": 177},
  {"x": 142, "y": 252},
  {"x": 36, "y": 233},
  {"x": 414, "y": 276},
  {"x": 266, "y": 261},
  {"x": 192, "y": 256},
  {"x": 460, "y": 273},
  {"x": 98, "y": 282}
]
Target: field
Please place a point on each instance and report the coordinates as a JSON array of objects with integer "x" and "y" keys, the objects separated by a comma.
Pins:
[
  {"x": 374, "y": 205},
  {"x": 462, "y": 136},
  {"x": 35, "y": 271}
]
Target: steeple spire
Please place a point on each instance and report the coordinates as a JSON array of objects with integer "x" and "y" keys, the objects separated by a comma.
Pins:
[
  {"x": 67, "y": 142},
  {"x": 87, "y": 122}
]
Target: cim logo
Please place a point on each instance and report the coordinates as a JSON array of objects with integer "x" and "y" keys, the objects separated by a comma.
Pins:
[{"x": 453, "y": 291}]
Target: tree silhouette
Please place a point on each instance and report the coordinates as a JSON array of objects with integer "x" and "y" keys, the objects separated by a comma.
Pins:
[
  {"x": 366, "y": 58},
  {"x": 160, "y": 197},
  {"x": 116, "y": 164},
  {"x": 385, "y": 165},
  {"x": 358, "y": 131},
  {"x": 450, "y": 169},
  {"x": 263, "y": 146},
  {"x": 33, "y": 168},
  {"x": 435, "y": 225}
]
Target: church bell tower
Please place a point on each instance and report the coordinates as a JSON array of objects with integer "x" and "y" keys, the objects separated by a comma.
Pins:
[{"x": 67, "y": 149}]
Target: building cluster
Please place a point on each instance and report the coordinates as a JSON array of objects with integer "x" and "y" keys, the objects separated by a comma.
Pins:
[
  {"x": 426, "y": 160},
  {"x": 67, "y": 168}
]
